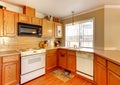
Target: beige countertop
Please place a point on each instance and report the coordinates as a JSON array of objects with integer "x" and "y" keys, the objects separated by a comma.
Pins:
[
  {"x": 111, "y": 55},
  {"x": 8, "y": 53}
]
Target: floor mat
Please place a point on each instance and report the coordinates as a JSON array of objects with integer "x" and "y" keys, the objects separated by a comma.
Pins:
[{"x": 62, "y": 75}]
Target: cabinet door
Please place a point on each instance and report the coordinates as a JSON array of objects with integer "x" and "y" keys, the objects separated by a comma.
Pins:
[
  {"x": 35, "y": 21},
  {"x": 25, "y": 19},
  {"x": 58, "y": 30},
  {"x": 47, "y": 29},
  {"x": 0, "y": 71},
  {"x": 113, "y": 79},
  {"x": 10, "y": 23},
  {"x": 100, "y": 74},
  {"x": 62, "y": 58},
  {"x": 10, "y": 73},
  {"x": 71, "y": 63},
  {"x": 1, "y": 22},
  {"x": 51, "y": 61}
]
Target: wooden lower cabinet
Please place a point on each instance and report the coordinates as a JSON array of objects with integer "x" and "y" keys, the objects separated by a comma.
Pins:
[
  {"x": 71, "y": 60},
  {"x": 10, "y": 70},
  {"x": 62, "y": 58},
  {"x": 67, "y": 59},
  {"x": 0, "y": 71},
  {"x": 113, "y": 79},
  {"x": 51, "y": 59},
  {"x": 100, "y": 74}
]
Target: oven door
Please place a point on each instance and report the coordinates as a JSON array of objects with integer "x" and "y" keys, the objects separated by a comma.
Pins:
[{"x": 32, "y": 62}]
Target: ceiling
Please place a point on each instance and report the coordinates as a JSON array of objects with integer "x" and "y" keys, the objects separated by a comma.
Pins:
[{"x": 63, "y": 8}]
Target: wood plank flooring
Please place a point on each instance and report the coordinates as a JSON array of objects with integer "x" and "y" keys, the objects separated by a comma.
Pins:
[{"x": 49, "y": 79}]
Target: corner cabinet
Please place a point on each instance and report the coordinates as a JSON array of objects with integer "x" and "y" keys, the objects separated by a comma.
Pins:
[
  {"x": 67, "y": 59},
  {"x": 58, "y": 27},
  {"x": 47, "y": 31},
  {"x": 71, "y": 60},
  {"x": 10, "y": 70},
  {"x": 62, "y": 58}
]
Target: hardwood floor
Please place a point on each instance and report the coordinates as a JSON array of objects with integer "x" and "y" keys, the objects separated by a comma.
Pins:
[{"x": 49, "y": 79}]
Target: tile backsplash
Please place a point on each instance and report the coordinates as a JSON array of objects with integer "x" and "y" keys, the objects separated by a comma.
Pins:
[{"x": 16, "y": 43}]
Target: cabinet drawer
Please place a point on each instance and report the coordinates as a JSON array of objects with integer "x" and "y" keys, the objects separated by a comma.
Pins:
[
  {"x": 10, "y": 58},
  {"x": 113, "y": 67},
  {"x": 100, "y": 60},
  {"x": 52, "y": 51},
  {"x": 71, "y": 52}
]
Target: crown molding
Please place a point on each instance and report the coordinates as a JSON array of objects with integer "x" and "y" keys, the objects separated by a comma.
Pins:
[
  {"x": 111, "y": 6},
  {"x": 93, "y": 9}
]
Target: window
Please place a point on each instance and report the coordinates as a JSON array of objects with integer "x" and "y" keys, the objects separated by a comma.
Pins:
[{"x": 80, "y": 34}]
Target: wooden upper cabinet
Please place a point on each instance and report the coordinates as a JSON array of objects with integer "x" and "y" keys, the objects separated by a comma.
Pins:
[
  {"x": 11, "y": 70},
  {"x": 1, "y": 22},
  {"x": 10, "y": 23},
  {"x": 58, "y": 30},
  {"x": 36, "y": 21},
  {"x": 47, "y": 30},
  {"x": 25, "y": 19},
  {"x": 29, "y": 11}
]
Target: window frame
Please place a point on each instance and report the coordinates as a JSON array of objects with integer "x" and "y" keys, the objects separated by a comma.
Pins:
[{"x": 82, "y": 21}]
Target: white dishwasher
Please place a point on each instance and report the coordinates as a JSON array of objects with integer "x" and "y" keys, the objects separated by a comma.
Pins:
[{"x": 85, "y": 64}]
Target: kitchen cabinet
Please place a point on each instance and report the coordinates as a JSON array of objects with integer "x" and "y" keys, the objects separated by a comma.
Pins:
[
  {"x": 67, "y": 59},
  {"x": 62, "y": 58},
  {"x": 0, "y": 71},
  {"x": 71, "y": 60},
  {"x": 113, "y": 74},
  {"x": 10, "y": 70},
  {"x": 29, "y": 11},
  {"x": 58, "y": 30},
  {"x": 47, "y": 30},
  {"x": 100, "y": 70},
  {"x": 24, "y": 18},
  {"x": 10, "y": 23},
  {"x": 1, "y": 22},
  {"x": 51, "y": 59},
  {"x": 36, "y": 21}
]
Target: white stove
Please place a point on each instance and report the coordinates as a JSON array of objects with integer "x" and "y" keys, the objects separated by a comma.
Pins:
[{"x": 32, "y": 64}]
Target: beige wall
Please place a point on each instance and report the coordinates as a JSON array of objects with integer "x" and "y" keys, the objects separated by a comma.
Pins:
[
  {"x": 112, "y": 28},
  {"x": 99, "y": 25}
]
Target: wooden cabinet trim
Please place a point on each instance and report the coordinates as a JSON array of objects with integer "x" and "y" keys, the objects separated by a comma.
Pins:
[
  {"x": 114, "y": 68},
  {"x": 10, "y": 58},
  {"x": 101, "y": 60}
]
